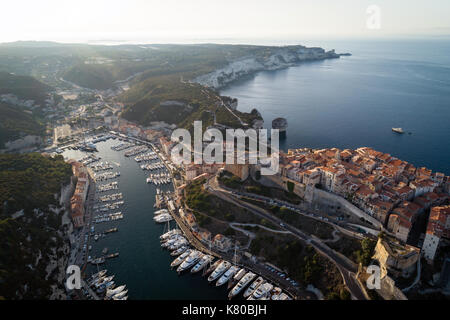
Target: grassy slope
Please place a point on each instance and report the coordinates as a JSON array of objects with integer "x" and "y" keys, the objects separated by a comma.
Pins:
[
  {"x": 15, "y": 123},
  {"x": 24, "y": 87}
]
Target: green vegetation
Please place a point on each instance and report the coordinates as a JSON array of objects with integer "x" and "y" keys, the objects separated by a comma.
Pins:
[
  {"x": 24, "y": 87},
  {"x": 301, "y": 262},
  {"x": 359, "y": 251},
  {"x": 15, "y": 124},
  {"x": 30, "y": 182}
]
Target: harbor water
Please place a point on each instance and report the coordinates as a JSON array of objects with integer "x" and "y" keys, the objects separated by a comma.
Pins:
[{"x": 143, "y": 266}]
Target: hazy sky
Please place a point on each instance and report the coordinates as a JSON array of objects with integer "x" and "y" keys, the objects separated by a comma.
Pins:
[{"x": 170, "y": 20}]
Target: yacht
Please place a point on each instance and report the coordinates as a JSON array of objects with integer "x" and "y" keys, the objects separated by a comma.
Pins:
[
  {"x": 275, "y": 293},
  {"x": 227, "y": 276},
  {"x": 190, "y": 261},
  {"x": 181, "y": 258},
  {"x": 262, "y": 291},
  {"x": 112, "y": 292},
  {"x": 238, "y": 276},
  {"x": 398, "y": 130},
  {"x": 178, "y": 251},
  {"x": 253, "y": 286},
  {"x": 171, "y": 240},
  {"x": 224, "y": 266},
  {"x": 120, "y": 294},
  {"x": 202, "y": 263},
  {"x": 169, "y": 234},
  {"x": 161, "y": 211},
  {"x": 212, "y": 267},
  {"x": 99, "y": 274},
  {"x": 164, "y": 217},
  {"x": 179, "y": 243},
  {"x": 242, "y": 284}
]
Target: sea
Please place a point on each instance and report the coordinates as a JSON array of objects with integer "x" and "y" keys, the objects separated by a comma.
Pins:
[{"x": 355, "y": 101}]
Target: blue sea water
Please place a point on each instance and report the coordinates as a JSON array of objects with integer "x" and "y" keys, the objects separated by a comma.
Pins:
[{"x": 355, "y": 101}]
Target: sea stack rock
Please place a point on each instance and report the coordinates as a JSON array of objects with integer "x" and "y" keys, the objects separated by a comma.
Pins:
[{"x": 280, "y": 124}]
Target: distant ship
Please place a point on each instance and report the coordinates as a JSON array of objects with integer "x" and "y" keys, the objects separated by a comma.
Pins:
[{"x": 398, "y": 130}]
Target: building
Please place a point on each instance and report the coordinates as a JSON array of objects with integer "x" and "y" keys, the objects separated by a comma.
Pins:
[
  {"x": 222, "y": 243},
  {"x": 438, "y": 227},
  {"x": 396, "y": 258},
  {"x": 239, "y": 170}
]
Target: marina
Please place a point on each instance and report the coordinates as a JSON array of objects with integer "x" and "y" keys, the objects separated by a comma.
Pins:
[
  {"x": 182, "y": 265},
  {"x": 138, "y": 241}
]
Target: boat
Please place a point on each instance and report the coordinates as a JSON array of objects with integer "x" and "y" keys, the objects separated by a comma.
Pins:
[
  {"x": 262, "y": 291},
  {"x": 190, "y": 261},
  {"x": 161, "y": 211},
  {"x": 227, "y": 276},
  {"x": 179, "y": 243},
  {"x": 275, "y": 293},
  {"x": 398, "y": 130},
  {"x": 242, "y": 284},
  {"x": 120, "y": 294},
  {"x": 181, "y": 258},
  {"x": 99, "y": 274},
  {"x": 238, "y": 276},
  {"x": 172, "y": 240},
  {"x": 124, "y": 298},
  {"x": 253, "y": 287},
  {"x": 111, "y": 292},
  {"x": 98, "y": 260},
  {"x": 164, "y": 217},
  {"x": 178, "y": 251},
  {"x": 212, "y": 267},
  {"x": 202, "y": 263},
  {"x": 224, "y": 266}
]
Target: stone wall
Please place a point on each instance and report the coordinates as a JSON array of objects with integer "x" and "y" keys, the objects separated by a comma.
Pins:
[{"x": 323, "y": 197}]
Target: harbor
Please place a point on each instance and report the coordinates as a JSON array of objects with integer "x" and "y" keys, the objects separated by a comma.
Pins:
[{"x": 142, "y": 265}]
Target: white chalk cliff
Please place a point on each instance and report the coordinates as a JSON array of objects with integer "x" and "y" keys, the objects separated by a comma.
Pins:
[{"x": 279, "y": 58}]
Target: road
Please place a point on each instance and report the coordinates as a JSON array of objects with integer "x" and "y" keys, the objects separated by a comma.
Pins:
[{"x": 346, "y": 267}]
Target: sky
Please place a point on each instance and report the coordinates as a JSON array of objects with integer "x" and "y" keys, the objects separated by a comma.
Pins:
[{"x": 163, "y": 21}]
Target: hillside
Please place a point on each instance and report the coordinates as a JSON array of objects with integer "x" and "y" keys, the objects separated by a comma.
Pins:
[
  {"x": 30, "y": 243},
  {"x": 16, "y": 123},
  {"x": 24, "y": 87}
]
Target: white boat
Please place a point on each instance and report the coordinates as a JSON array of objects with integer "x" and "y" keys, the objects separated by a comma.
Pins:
[
  {"x": 164, "y": 217},
  {"x": 178, "y": 244},
  {"x": 178, "y": 251},
  {"x": 212, "y": 267},
  {"x": 253, "y": 287},
  {"x": 190, "y": 261},
  {"x": 169, "y": 234},
  {"x": 202, "y": 263},
  {"x": 111, "y": 292},
  {"x": 161, "y": 211},
  {"x": 98, "y": 274},
  {"x": 181, "y": 258},
  {"x": 120, "y": 294},
  {"x": 171, "y": 240},
  {"x": 227, "y": 276},
  {"x": 275, "y": 293},
  {"x": 262, "y": 291},
  {"x": 224, "y": 266},
  {"x": 242, "y": 284},
  {"x": 124, "y": 298},
  {"x": 398, "y": 130},
  {"x": 238, "y": 276}
]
